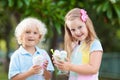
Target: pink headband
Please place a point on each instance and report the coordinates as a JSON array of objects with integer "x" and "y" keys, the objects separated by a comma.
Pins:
[{"x": 84, "y": 15}]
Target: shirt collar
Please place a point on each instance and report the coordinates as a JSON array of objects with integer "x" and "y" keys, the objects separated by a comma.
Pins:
[{"x": 23, "y": 51}]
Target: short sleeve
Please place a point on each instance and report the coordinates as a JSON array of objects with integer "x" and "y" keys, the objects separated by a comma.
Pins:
[
  {"x": 14, "y": 66},
  {"x": 96, "y": 45}
]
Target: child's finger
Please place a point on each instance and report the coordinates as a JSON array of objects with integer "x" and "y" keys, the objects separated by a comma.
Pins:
[{"x": 67, "y": 59}]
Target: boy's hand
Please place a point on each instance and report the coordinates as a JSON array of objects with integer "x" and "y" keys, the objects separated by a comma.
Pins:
[
  {"x": 45, "y": 64},
  {"x": 35, "y": 69},
  {"x": 47, "y": 74}
]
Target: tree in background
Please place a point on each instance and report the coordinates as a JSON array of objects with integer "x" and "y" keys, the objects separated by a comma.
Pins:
[
  {"x": 105, "y": 15},
  {"x": 107, "y": 23}
]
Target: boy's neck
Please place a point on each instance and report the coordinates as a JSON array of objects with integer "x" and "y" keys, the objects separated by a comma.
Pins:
[{"x": 30, "y": 49}]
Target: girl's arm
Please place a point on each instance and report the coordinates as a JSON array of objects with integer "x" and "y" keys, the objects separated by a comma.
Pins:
[
  {"x": 22, "y": 76},
  {"x": 91, "y": 68}
]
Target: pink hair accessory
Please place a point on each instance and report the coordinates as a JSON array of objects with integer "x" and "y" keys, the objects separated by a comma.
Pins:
[{"x": 84, "y": 15}]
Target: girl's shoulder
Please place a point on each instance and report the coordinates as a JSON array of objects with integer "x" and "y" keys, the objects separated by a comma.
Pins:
[
  {"x": 96, "y": 41},
  {"x": 96, "y": 45}
]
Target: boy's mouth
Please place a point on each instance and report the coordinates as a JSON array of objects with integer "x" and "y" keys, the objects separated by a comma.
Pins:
[{"x": 30, "y": 39}]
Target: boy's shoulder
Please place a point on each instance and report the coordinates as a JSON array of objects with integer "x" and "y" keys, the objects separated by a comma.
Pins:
[
  {"x": 41, "y": 50},
  {"x": 18, "y": 51},
  {"x": 15, "y": 53}
]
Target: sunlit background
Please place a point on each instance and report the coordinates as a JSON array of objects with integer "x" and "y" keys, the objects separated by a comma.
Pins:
[{"x": 105, "y": 15}]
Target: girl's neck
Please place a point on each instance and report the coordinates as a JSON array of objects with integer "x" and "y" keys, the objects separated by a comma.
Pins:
[
  {"x": 74, "y": 44},
  {"x": 30, "y": 49}
]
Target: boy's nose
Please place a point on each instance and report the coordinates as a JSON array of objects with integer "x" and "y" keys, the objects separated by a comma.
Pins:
[{"x": 31, "y": 34}]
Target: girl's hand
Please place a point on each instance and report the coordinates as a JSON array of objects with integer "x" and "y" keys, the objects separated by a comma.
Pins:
[
  {"x": 63, "y": 65},
  {"x": 35, "y": 69},
  {"x": 54, "y": 61}
]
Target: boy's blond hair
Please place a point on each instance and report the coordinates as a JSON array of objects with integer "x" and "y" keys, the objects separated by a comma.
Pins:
[{"x": 29, "y": 23}]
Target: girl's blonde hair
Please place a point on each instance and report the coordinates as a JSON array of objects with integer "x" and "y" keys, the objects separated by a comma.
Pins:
[
  {"x": 29, "y": 23},
  {"x": 68, "y": 39}
]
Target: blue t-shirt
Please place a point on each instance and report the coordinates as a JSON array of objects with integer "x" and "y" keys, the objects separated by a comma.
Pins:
[
  {"x": 81, "y": 56},
  {"x": 21, "y": 61}
]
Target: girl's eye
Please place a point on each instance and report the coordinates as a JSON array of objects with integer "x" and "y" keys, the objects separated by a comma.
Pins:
[
  {"x": 79, "y": 27},
  {"x": 72, "y": 30}
]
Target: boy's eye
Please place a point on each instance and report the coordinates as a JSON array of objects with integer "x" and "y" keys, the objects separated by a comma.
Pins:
[
  {"x": 35, "y": 32},
  {"x": 27, "y": 32}
]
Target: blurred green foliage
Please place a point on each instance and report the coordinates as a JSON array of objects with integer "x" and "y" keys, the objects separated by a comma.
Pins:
[
  {"x": 3, "y": 74},
  {"x": 105, "y": 15}
]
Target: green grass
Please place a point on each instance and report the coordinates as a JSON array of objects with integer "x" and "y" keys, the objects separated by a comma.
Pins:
[{"x": 3, "y": 74}]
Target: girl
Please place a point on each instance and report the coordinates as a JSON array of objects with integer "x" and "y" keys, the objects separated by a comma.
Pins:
[
  {"x": 82, "y": 45},
  {"x": 28, "y": 33}
]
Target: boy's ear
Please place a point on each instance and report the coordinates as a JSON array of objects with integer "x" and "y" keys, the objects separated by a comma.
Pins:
[{"x": 40, "y": 36}]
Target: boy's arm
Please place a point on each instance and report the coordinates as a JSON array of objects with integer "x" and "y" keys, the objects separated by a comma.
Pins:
[
  {"x": 47, "y": 74},
  {"x": 22, "y": 76}
]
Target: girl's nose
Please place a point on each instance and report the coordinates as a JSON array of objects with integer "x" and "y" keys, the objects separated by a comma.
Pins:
[{"x": 77, "y": 32}]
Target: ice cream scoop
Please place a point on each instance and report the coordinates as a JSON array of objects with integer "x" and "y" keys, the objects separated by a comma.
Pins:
[
  {"x": 63, "y": 55},
  {"x": 39, "y": 60},
  {"x": 60, "y": 55}
]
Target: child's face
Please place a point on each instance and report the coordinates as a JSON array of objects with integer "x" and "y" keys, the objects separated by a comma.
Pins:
[
  {"x": 30, "y": 37},
  {"x": 78, "y": 29}
]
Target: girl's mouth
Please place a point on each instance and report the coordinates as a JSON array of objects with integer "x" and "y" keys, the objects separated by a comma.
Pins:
[{"x": 79, "y": 35}]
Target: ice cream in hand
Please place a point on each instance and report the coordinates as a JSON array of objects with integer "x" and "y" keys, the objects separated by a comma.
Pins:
[
  {"x": 39, "y": 60},
  {"x": 59, "y": 55}
]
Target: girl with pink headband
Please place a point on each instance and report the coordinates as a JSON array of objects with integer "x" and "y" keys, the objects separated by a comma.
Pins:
[{"x": 83, "y": 47}]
